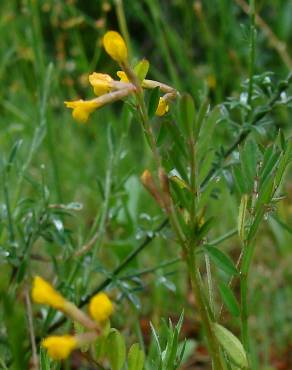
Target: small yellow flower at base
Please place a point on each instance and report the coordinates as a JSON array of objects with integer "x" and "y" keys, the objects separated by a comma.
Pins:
[
  {"x": 100, "y": 307},
  {"x": 115, "y": 46},
  {"x": 44, "y": 293},
  {"x": 162, "y": 108},
  {"x": 211, "y": 82},
  {"x": 101, "y": 83},
  {"x": 123, "y": 77},
  {"x": 81, "y": 109},
  {"x": 60, "y": 347}
]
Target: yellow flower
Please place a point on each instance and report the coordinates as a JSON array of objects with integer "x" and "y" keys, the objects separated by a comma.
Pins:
[
  {"x": 115, "y": 46},
  {"x": 211, "y": 81},
  {"x": 81, "y": 109},
  {"x": 60, "y": 347},
  {"x": 100, "y": 307},
  {"x": 44, "y": 293},
  {"x": 162, "y": 108},
  {"x": 123, "y": 77},
  {"x": 101, "y": 83}
]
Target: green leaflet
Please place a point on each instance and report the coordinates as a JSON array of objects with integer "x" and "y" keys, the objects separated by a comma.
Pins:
[
  {"x": 136, "y": 358},
  {"x": 232, "y": 346},
  {"x": 116, "y": 349}
]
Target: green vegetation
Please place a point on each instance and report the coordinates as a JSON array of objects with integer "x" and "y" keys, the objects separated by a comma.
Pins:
[{"x": 183, "y": 219}]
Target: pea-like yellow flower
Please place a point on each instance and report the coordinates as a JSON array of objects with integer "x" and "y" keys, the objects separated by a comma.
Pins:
[
  {"x": 81, "y": 109},
  {"x": 60, "y": 347},
  {"x": 123, "y": 77},
  {"x": 162, "y": 108},
  {"x": 115, "y": 46},
  {"x": 100, "y": 307},
  {"x": 101, "y": 82},
  {"x": 44, "y": 293}
]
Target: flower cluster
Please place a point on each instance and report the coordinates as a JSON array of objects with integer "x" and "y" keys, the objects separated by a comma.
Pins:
[
  {"x": 131, "y": 81},
  {"x": 100, "y": 309}
]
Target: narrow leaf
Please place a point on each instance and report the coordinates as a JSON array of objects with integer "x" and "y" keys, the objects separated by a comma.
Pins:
[
  {"x": 187, "y": 114},
  {"x": 221, "y": 260},
  {"x": 239, "y": 179},
  {"x": 249, "y": 163},
  {"x": 229, "y": 299},
  {"x": 242, "y": 216}
]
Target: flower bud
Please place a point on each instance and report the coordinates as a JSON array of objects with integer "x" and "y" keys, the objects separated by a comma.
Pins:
[
  {"x": 115, "y": 46},
  {"x": 100, "y": 307}
]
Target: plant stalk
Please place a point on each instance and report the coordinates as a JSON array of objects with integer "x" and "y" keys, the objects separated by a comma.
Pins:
[
  {"x": 213, "y": 344},
  {"x": 189, "y": 252},
  {"x": 244, "y": 272},
  {"x": 252, "y": 42}
]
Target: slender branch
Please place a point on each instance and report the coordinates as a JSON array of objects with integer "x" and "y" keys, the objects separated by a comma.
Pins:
[
  {"x": 31, "y": 331},
  {"x": 224, "y": 237},
  {"x": 87, "y": 246},
  {"x": 8, "y": 207},
  {"x": 105, "y": 209},
  {"x": 252, "y": 50},
  {"x": 123, "y": 24},
  {"x": 152, "y": 269}
]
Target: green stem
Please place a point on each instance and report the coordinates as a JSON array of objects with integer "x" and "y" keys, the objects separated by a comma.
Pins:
[
  {"x": 162, "y": 42},
  {"x": 252, "y": 50},
  {"x": 42, "y": 81},
  {"x": 202, "y": 303},
  {"x": 203, "y": 311},
  {"x": 244, "y": 272},
  {"x": 205, "y": 308},
  {"x": 224, "y": 237},
  {"x": 123, "y": 24},
  {"x": 51, "y": 140},
  {"x": 104, "y": 213},
  {"x": 152, "y": 142},
  {"x": 193, "y": 181},
  {"x": 8, "y": 208},
  {"x": 189, "y": 252}
]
